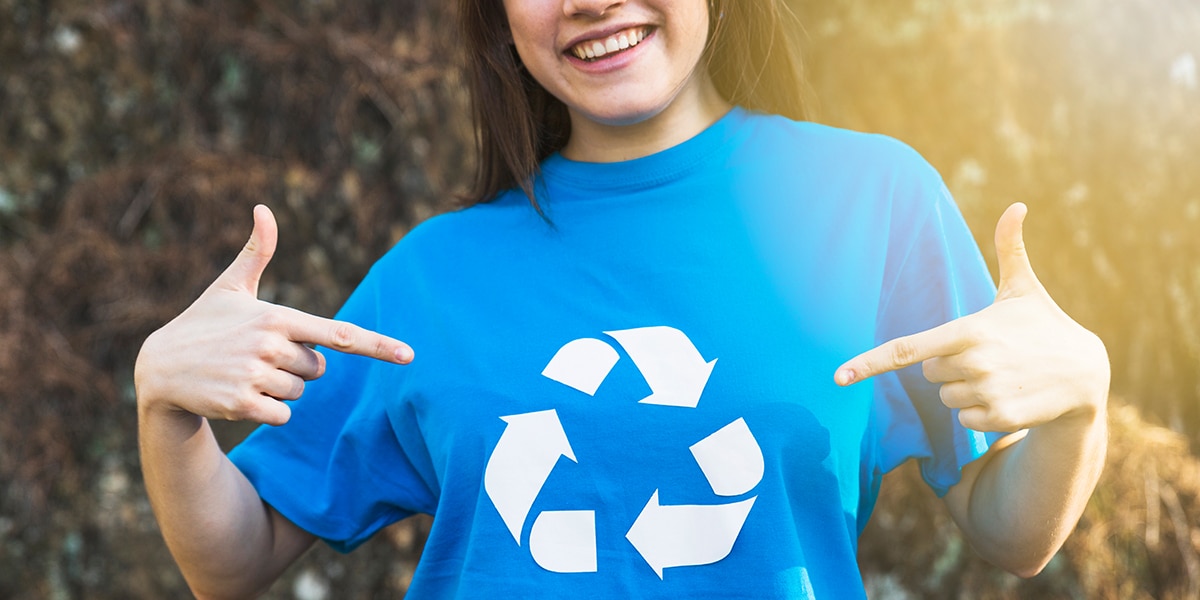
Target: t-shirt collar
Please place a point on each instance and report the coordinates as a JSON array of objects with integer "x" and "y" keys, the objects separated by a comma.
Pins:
[{"x": 656, "y": 169}]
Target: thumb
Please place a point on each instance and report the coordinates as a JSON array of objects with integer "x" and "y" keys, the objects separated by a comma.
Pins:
[
  {"x": 1016, "y": 274},
  {"x": 248, "y": 267}
]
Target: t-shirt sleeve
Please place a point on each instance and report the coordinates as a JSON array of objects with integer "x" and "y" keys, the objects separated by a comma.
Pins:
[
  {"x": 337, "y": 468},
  {"x": 934, "y": 274}
]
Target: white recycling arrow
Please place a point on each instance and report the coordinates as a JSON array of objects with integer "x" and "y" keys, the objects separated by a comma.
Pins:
[
  {"x": 564, "y": 541},
  {"x": 731, "y": 459},
  {"x": 688, "y": 534},
  {"x": 671, "y": 364},
  {"x": 521, "y": 462},
  {"x": 582, "y": 364}
]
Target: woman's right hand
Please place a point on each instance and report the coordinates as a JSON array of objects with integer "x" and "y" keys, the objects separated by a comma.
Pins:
[{"x": 232, "y": 356}]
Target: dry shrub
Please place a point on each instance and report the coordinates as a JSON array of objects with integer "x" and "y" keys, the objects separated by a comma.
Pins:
[
  {"x": 1138, "y": 539},
  {"x": 134, "y": 140},
  {"x": 135, "y": 137},
  {"x": 79, "y": 299}
]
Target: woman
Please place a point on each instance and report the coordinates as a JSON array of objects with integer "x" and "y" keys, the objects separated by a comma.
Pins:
[{"x": 660, "y": 284}]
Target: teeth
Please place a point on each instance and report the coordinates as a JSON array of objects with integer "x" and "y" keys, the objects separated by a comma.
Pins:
[{"x": 594, "y": 49}]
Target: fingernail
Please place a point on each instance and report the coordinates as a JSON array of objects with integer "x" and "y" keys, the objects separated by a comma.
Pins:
[
  {"x": 404, "y": 354},
  {"x": 844, "y": 377}
]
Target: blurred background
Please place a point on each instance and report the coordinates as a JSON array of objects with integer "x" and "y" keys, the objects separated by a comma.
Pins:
[{"x": 136, "y": 135}]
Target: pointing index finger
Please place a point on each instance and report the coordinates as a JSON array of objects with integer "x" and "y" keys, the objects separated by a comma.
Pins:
[
  {"x": 944, "y": 340},
  {"x": 346, "y": 337}
]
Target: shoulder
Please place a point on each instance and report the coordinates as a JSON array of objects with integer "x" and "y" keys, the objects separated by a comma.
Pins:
[
  {"x": 445, "y": 237},
  {"x": 851, "y": 170},
  {"x": 845, "y": 149}
]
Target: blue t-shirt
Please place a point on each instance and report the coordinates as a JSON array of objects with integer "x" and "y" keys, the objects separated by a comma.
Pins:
[{"x": 634, "y": 397}]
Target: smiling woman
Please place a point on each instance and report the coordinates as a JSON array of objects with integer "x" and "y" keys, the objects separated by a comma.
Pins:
[
  {"x": 651, "y": 85},
  {"x": 751, "y": 55},
  {"x": 801, "y": 307}
]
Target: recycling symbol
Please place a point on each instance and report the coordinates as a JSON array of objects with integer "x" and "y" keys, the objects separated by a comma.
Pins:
[{"x": 564, "y": 541}]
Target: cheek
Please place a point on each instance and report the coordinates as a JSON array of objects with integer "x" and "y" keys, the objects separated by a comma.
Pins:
[
  {"x": 537, "y": 63},
  {"x": 694, "y": 20},
  {"x": 689, "y": 44},
  {"x": 532, "y": 51},
  {"x": 531, "y": 30},
  {"x": 524, "y": 53}
]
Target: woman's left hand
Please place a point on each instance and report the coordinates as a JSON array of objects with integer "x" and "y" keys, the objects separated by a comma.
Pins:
[{"x": 1017, "y": 364}]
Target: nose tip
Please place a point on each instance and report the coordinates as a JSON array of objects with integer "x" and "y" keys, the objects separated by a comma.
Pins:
[{"x": 591, "y": 8}]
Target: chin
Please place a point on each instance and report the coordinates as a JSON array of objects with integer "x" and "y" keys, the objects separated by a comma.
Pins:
[{"x": 624, "y": 116}]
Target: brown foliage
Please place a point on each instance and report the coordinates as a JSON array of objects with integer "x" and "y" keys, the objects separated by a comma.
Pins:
[
  {"x": 136, "y": 135},
  {"x": 1139, "y": 538},
  {"x": 134, "y": 139}
]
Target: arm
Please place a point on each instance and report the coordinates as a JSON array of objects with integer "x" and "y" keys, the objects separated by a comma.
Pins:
[
  {"x": 230, "y": 356},
  {"x": 227, "y": 542},
  {"x": 1020, "y": 365},
  {"x": 1018, "y": 503}
]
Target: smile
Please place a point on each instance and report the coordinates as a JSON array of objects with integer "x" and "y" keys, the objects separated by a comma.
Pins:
[{"x": 590, "y": 50}]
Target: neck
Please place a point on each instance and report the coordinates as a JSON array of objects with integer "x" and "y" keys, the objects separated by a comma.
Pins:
[{"x": 693, "y": 111}]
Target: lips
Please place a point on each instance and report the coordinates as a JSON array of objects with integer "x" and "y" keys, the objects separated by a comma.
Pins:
[{"x": 594, "y": 49}]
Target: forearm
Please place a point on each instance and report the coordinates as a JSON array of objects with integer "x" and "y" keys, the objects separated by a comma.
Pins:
[
  {"x": 1018, "y": 505},
  {"x": 230, "y": 356},
  {"x": 221, "y": 534}
]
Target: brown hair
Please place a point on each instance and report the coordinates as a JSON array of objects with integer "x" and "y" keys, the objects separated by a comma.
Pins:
[{"x": 752, "y": 55}]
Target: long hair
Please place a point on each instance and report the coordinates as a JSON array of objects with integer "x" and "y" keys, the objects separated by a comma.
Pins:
[{"x": 752, "y": 56}]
